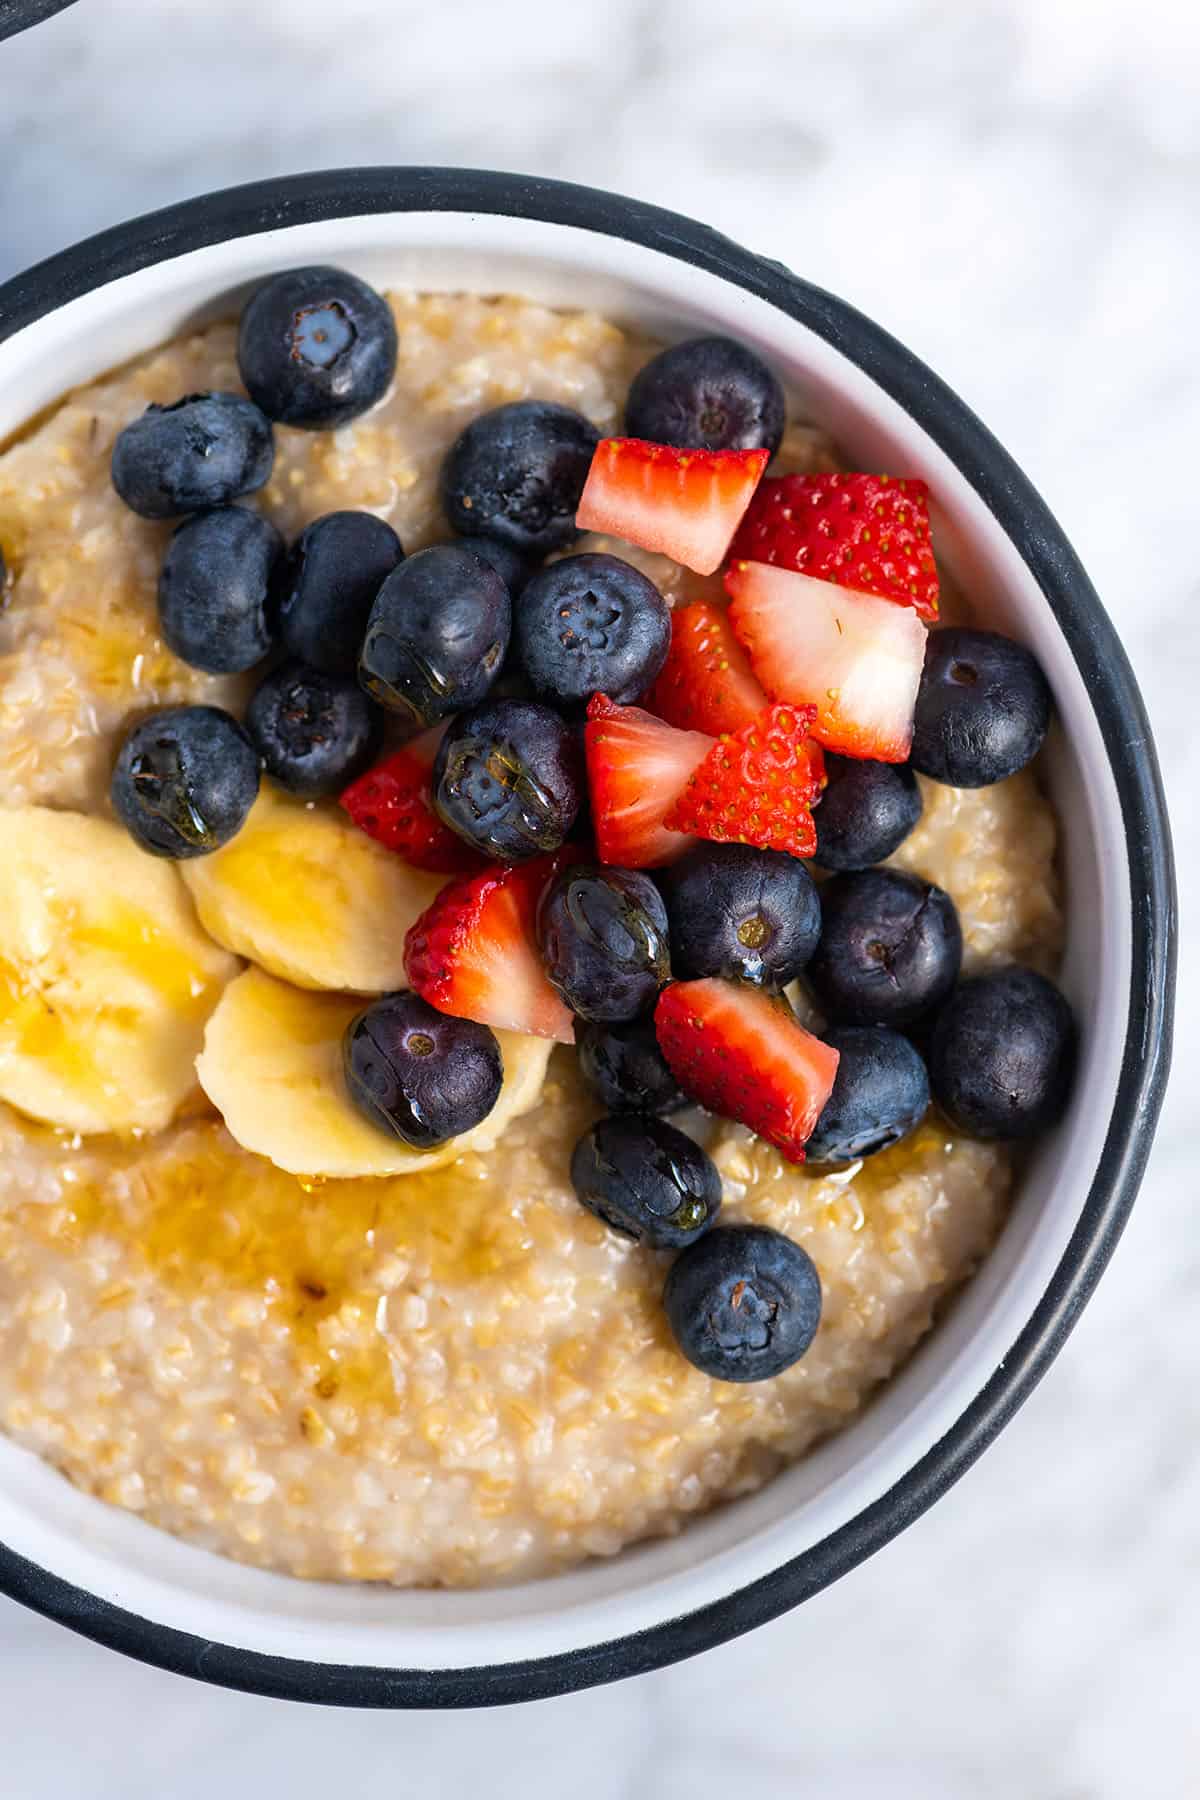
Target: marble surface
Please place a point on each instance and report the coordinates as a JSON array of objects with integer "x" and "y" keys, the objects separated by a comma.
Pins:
[{"x": 1011, "y": 186}]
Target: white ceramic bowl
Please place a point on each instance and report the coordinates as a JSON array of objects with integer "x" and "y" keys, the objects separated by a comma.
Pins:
[{"x": 109, "y": 1575}]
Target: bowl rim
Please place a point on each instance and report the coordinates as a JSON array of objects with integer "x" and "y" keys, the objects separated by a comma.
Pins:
[
  {"x": 285, "y": 201},
  {"x": 18, "y": 15}
]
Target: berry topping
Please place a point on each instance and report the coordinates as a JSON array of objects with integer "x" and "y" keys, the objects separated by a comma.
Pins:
[
  {"x": 603, "y": 937},
  {"x": 591, "y": 624},
  {"x": 637, "y": 767},
  {"x": 513, "y": 569},
  {"x": 328, "y": 585},
  {"x": 889, "y": 951},
  {"x": 473, "y": 952},
  {"x": 647, "y": 1181},
  {"x": 737, "y": 911},
  {"x": 313, "y": 732},
  {"x": 624, "y": 1067},
  {"x": 417, "y": 1074},
  {"x": 854, "y": 657},
  {"x": 757, "y": 786},
  {"x": 393, "y": 803},
  {"x": 744, "y": 1303},
  {"x": 743, "y": 1053},
  {"x": 507, "y": 779},
  {"x": 685, "y": 504},
  {"x": 516, "y": 473},
  {"x": 436, "y": 636},
  {"x": 867, "y": 532},
  {"x": 316, "y": 347},
  {"x": 707, "y": 683},
  {"x": 214, "y": 589},
  {"x": 202, "y": 451},
  {"x": 709, "y": 393},
  {"x": 880, "y": 1093},
  {"x": 983, "y": 708},
  {"x": 184, "y": 780},
  {"x": 866, "y": 812},
  {"x": 1003, "y": 1055}
]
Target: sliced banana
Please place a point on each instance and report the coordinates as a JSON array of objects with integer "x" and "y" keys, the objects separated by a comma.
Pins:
[
  {"x": 106, "y": 979},
  {"x": 306, "y": 895},
  {"x": 272, "y": 1066}
]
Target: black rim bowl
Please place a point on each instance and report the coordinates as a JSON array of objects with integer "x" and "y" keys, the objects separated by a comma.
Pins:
[{"x": 19, "y": 15}]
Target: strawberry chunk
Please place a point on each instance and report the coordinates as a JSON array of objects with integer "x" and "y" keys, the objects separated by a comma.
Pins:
[
  {"x": 743, "y": 1053},
  {"x": 855, "y": 657},
  {"x": 393, "y": 804},
  {"x": 867, "y": 532},
  {"x": 757, "y": 785},
  {"x": 637, "y": 768},
  {"x": 473, "y": 952},
  {"x": 706, "y": 683},
  {"x": 687, "y": 504}
]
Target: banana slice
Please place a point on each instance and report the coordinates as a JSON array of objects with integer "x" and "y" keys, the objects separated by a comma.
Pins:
[
  {"x": 272, "y": 1066},
  {"x": 106, "y": 979},
  {"x": 306, "y": 895}
]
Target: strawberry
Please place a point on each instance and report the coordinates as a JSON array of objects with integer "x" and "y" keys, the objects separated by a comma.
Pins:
[
  {"x": 685, "y": 503},
  {"x": 868, "y": 532},
  {"x": 473, "y": 952},
  {"x": 707, "y": 683},
  {"x": 393, "y": 804},
  {"x": 855, "y": 657},
  {"x": 637, "y": 768},
  {"x": 743, "y": 1053},
  {"x": 757, "y": 785}
]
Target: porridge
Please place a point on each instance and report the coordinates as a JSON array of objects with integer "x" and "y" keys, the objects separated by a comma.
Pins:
[{"x": 234, "y": 1305}]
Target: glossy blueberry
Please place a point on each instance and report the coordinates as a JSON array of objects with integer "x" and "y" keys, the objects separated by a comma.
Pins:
[
  {"x": 419, "y": 1074},
  {"x": 889, "y": 950},
  {"x": 744, "y": 1303},
  {"x": 880, "y": 1093},
  {"x": 313, "y": 732},
  {"x": 204, "y": 450},
  {"x": 508, "y": 778},
  {"x": 625, "y": 1069},
  {"x": 316, "y": 347},
  {"x": 866, "y": 812},
  {"x": 184, "y": 780},
  {"x": 516, "y": 473},
  {"x": 603, "y": 938},
  {"x": 983, "y": 708},
  {"x": 214, "y": 589},
  {"x": 708, "y": 393},
  {"x": 513, "y": 569},
  {"x": 592, "y": 624},
  {"x": 647, "y": 1181},
  {"x": 737, "y": 911},
  {"x": 437, "y": 635},
  {"x": 328, "y": 585},
  {"x": 1003, "y": 1054}
]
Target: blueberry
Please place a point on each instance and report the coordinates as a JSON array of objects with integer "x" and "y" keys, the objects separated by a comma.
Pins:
[
  {"x": 508, "y": 779},
  {"x": 592, "y": 624},
  {"x": 880, "y": 1093},
  {"x": 1003, "y": 1054},
  {"x": 201, "y": 451},
  {"x": 513, "y": 569},
  {"x": 625, "y": 1069},
  {"x": 419, "y": 1074},
  {"x": 314, "y": 732},
  {"x": 709, "y": 393},
  {"x": 516, "y": 473},
  {"x": 437, "y": 635},
  {"x": 647, "y": 1181},
  {"x": 328, "y": 585},
  {"x": 743, "y": 1303},
  {"x": 214, "y": 589},
  {"x": 983, "y": 708},
  {"x": 316, "y": 347},
  {"x": 865, "y": 813},
  {"x": 184, "y": 780},
  {"x": 736, "y": 911},
  {"x": 889, "y": 950},
  {"x": 603, "y": 938}
]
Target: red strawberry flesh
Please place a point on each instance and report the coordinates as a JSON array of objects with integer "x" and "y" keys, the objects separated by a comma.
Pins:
[
  {"x": 707, "y": 683},
  {"x": 637, "y": 767},
  {"x": 392, "y": 803},
  {"x": 757, "y": 786},
  {"x": 685, "y": 504}
]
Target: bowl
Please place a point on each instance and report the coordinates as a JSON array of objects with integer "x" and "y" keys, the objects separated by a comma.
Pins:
[{"x": 124, "y": 1584}]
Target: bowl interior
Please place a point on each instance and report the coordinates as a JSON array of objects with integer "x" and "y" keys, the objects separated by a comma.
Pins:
[{"x": 113, "y": 1556}]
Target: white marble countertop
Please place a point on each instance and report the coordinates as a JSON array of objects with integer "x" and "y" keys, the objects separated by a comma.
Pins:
[{"x": 1011, "y": 186}]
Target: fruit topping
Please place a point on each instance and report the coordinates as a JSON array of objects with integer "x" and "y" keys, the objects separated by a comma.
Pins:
[
  {"x": 184, "y": 781},
  {"x": 316, "y": 347},
  {"x": 708, "y": 393},
  {"x": 393, "y": 803},
  {"x": 204, "y": 450},
  {"x": 418, "y": 1074},
  {"x": 647, "y": 1181},
  {"x": 983, "y": 708},
  {"x": 436, "y": 636},
  {"x": 880, "y": 1094},
  {"x": 313, "y": 732},
  {"x": 757, "y": 785},
  {"x": 625, "y": 1069},
  {"x": 738, "y": 911},
  {"x": 591, "y": 624},
  {"x": 507, "y": 779},
  {"x": 889, "y": 950},
  {"x": 603, "y": 938},
  {"x": 214, "y": 589},
  {"x": 511, "y": 566},
  {"x": 1003, "y": 1054},
  {"x": 637, "y": 767},
  {"x": 328, "y": 585},
  {"x": 743, "y": 1303},
  {"x": 685, "y": 504},
  {"x": 516, "y": 473},
  {"x": 706, "y": 683},
  {"x": 866, "y": 812}
]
